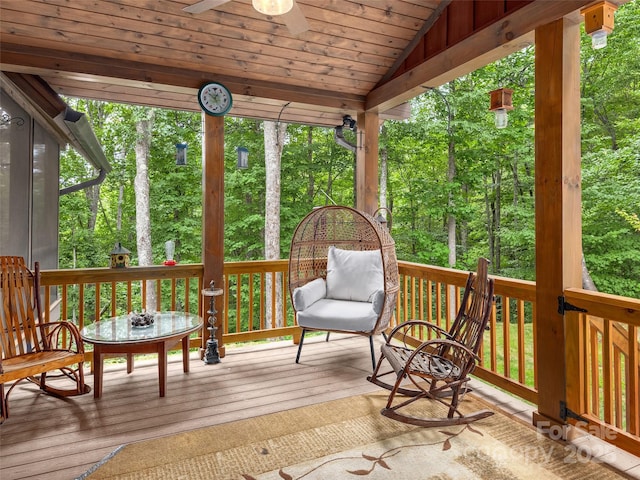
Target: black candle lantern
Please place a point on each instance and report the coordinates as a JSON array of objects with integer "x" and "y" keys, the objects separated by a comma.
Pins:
[
  {"x": 243, "y": 158},
  {"x": 181, "y": 154}
]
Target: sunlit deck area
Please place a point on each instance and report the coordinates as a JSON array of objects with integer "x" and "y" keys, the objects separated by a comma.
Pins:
[{"x": 54, "y": 438}]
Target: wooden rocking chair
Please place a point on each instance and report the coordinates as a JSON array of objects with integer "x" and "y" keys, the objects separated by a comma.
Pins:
[
  {"x": 29, "y": 347},
  {"x": 439, "y": 367}
]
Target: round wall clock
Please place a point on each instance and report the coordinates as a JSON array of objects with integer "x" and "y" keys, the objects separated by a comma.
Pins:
[{"x": 215, "y": 99}]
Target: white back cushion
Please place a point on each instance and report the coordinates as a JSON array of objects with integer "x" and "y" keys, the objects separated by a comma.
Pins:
[{"x": 354, "y": 275}]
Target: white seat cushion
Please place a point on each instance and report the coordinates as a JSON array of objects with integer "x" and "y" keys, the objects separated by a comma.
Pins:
[
  {"x": 353, "y": 274},
  {"x": 329, "y": 314}
]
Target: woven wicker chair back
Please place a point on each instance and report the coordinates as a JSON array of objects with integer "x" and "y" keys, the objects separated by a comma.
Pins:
[{"x": 348, "y": 229}]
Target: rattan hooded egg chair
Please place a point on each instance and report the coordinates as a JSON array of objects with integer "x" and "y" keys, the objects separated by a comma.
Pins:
[{"x": 343, "y": 274}]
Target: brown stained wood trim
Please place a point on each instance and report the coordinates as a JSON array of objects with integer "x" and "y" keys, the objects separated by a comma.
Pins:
[
  {"x": 617, "y": 388},
  {"x": 238, "y": 319},
  {"x": 350, "y": 24},
  {"x": 607, "y": 374},
  {"x": 98, "y": 307},
  {"x": 415, "y": 41},
  {"x": 535, "y": 348},
  {"x": 633, "y": 382},
  {"x": 594, "y": 384},
  {"x": 506, "y": 334},
  {"x": 296, "y": 74},
  {"x": 39, "y": 91},
  {"x": 521, "y": 341},
  {"x": 251, "y": 300},
  {"x": 522, "y": 391},
  {"x": 405, "y": 309},
  {"x": 134, "y": 38},
  {"x": 126, "y": 72},
  {"x": 474, "y": 51},
  {"x": 260, "y": 334},
  {"x": 575, "y": 364},
  {"x": 612, "y": 307},
  {"x": 107, "y": 275},
  {"x": 493, "y": 344}
]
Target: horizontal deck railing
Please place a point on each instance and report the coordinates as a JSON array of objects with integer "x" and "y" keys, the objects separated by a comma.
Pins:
[
  {"x": 605, "y": 368},
  {"x": 434, "y": 294},
  {"x": 86, "y": 295},
  {"x": 256, "y": 306}
]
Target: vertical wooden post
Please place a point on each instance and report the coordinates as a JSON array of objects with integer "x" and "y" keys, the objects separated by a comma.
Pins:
[
  {"x": 213, "y": 209},
  {"x": 557, "y": 205},
  {"x": 367, "y": 162}
]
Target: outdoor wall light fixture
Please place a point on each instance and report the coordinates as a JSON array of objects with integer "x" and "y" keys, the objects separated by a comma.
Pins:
[
  {"x": 598, "y": 22},
  {"x": 384, "y": 217},
  {"x": 272, "y": 7},
  {"x": 243, "y": 158},
  {"x": 181, "y": 154},
  {"x": 349, "y": 122},
  {"x": 500, "y": 103}
]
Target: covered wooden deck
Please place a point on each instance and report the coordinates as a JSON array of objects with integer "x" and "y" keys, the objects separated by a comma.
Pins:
[{"x": 54, "y": 438}]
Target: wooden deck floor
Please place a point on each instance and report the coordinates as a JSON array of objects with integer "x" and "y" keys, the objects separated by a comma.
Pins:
[{"x": 51, "y": 438}]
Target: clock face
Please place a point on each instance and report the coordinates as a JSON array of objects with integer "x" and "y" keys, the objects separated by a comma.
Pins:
[{"x": 215, "y": 99}]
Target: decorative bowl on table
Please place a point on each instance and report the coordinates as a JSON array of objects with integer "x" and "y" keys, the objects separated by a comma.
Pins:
[{"x": 141, "y": 320}]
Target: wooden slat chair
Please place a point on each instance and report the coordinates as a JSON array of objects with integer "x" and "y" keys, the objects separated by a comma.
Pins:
[
  {"x": 29, "y": 347},
  {"x": 439, "y": 367}
]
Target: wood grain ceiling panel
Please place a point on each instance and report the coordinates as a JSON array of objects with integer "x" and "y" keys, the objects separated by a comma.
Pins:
[{"x": 356, "y": 54}]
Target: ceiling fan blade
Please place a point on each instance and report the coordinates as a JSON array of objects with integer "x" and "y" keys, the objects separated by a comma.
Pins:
[
  {"x": 204, "y": 5},
  {"x": 295, "y": 20}
]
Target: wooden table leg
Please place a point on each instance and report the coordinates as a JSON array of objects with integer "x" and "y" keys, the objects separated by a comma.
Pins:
[
  {"x": 129, "y": 362},
  {"x": 185, "y": 354},
  {"x": 163, "y": 350},
  {"x": 98, "y": 357}
]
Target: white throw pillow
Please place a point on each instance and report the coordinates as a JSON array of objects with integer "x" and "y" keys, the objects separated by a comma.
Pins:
[{"x": 354, "y": 275}]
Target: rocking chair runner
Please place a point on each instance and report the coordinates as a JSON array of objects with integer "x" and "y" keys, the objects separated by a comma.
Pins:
[
  {"x": 439, "y": 367},
  {"x": 343, "y": 274},
  {"x": 29, "y": 347}
]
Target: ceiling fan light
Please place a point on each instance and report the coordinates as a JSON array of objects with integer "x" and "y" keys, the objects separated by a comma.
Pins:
[{"x": 272, "y": 7}]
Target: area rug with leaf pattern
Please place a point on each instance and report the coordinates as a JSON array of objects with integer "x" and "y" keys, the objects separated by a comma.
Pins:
[{"x": 348, "y": 438}]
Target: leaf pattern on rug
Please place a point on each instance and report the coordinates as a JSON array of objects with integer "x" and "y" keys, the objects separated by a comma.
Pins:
[{"x": 379, "y": 460}]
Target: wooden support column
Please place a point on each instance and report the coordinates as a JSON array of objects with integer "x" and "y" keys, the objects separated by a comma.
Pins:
[
  {"x": 213, "y": 210},
  {"x": 557, "y": 205},
  {"x": 367, "y": 162}
]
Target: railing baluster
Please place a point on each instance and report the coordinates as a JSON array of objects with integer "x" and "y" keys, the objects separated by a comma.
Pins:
[{"x": 506, "y": 334}]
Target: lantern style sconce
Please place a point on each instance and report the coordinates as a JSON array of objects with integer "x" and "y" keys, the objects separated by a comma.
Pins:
[
  {"x": 243, "y": 158},
  {"x": 272, "y": 7},
  {"x": 181, "y": 154},
  {"x": 598, "y": 22},
  {"x": 384, "y": 217},
  {"x": 120, "y": 256},
  {"x": 500, "y": 103}
]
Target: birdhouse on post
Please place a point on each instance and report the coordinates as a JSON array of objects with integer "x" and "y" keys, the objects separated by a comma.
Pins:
[{"x": 120, "y": 256}]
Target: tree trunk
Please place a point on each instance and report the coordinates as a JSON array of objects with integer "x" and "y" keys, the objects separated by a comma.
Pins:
[
  {"x": 92, "y": 194},
  {"x": 587, "y": 281},
  {"x": 384, "y": 155},
  {"x": 144, "y": 128},
  {"x": 274, "y": 136},
  {"x": 311, "y": 189}
]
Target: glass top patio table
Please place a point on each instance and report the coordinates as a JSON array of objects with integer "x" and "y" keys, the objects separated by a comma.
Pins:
[
  {"x": 120, "y": 330},
  {"x": 118, "y": 336}
]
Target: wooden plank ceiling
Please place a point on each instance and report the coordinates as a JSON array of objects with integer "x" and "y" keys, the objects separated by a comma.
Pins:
[{"x": 356, "y": 54}]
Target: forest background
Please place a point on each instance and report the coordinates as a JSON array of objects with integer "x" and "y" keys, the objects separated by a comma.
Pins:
[{"x": 446, "y": 163}]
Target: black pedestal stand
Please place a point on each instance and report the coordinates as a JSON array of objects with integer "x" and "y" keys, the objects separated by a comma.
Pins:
[{"x": 212, "y": 355}]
